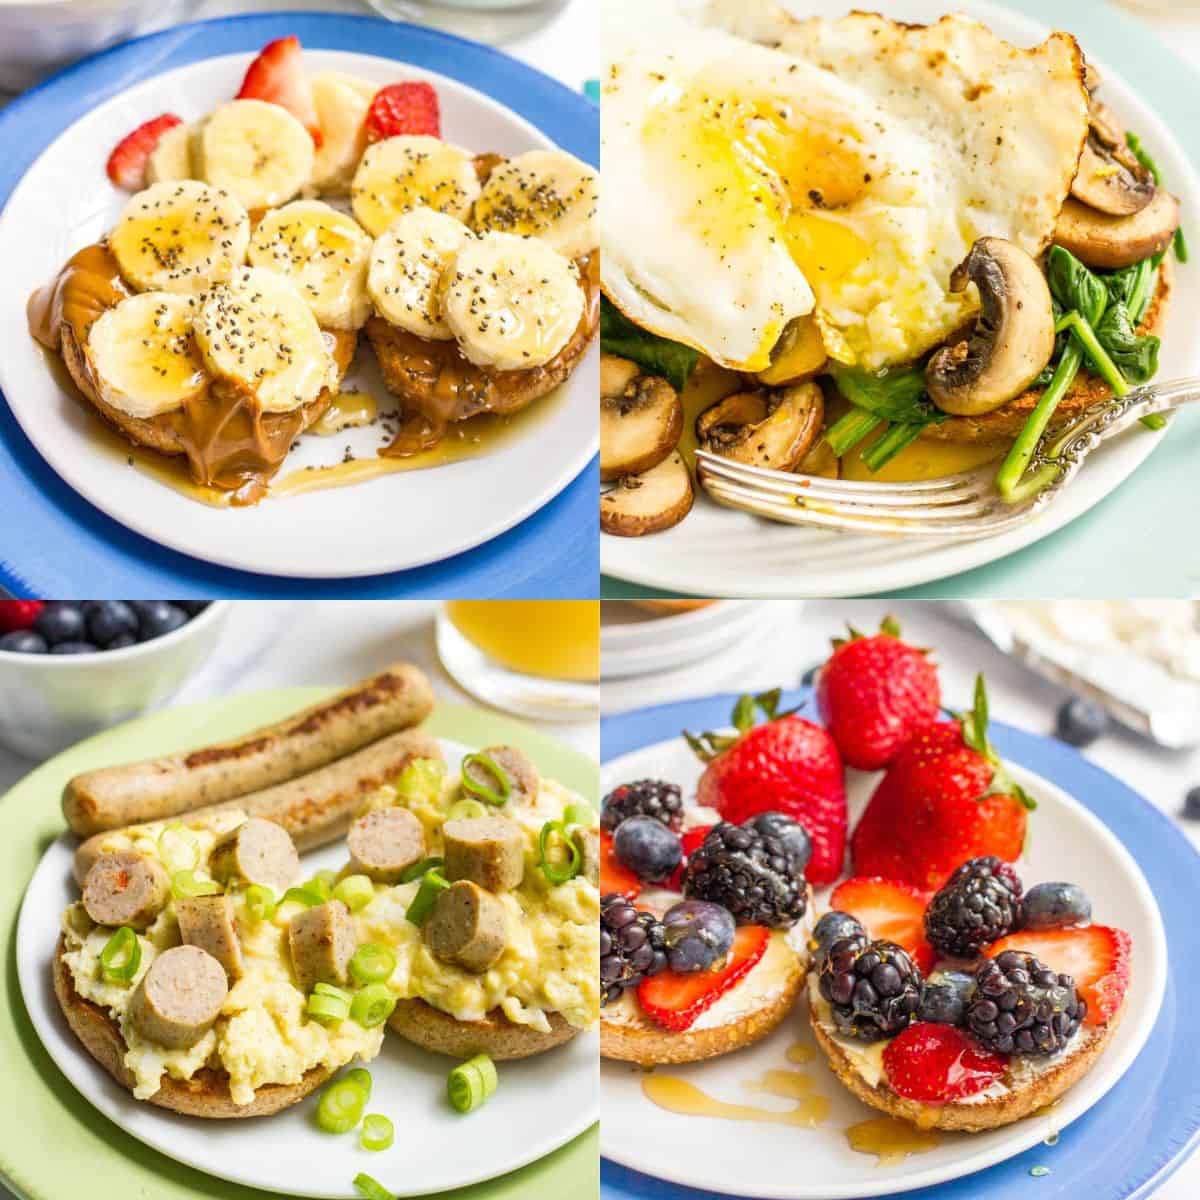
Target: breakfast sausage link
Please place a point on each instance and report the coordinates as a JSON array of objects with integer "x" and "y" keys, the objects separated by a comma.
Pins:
[
  {"x": 208, "y": 922},
  {"x": 521, "y": 774},
  {"x": 125, "y": 888},
  {"x": 489, "y": 851},
  {"x": 317, "y": 807},
  {"x": 322, "y": 942},
  {"x": 467, "y": 926},
  {"x": 257, "y": 851},
  {"x": 179, "y": 997},
  {"x": 133, "y": 793},
  {"x": 383, "y": 842}
]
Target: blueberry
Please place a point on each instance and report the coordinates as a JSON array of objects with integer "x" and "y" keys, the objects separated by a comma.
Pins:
[
  {"x": 106, "y": 619},
  {"x": 647, "y": 847},
  {"x": 23, "y": 641},
  {"x": 790, "y": 832},
  {"x": 156, "y": 617},
  {"x": 193, "y": 608},
  {"x": 1080, "y": 722},
  {"x": 1055, "y": 905},
  {"x": 74, "y": 648},
  {"x": 121, "y": 641},
  {"x": 1191, "y": 804},
  {"x": 833, "y": 927},
  {"x": 61, "y": 621},
  {"x": 809, "y": 678},
  {"x": 944, "y": 997},
  {"x": 697, "y": 934}
]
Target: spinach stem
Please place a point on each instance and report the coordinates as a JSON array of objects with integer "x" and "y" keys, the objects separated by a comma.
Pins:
[{"x": 845, "y": 433}]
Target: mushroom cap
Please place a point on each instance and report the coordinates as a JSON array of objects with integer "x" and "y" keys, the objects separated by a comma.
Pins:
[
  {"x": 648, "y": 503},
  {"x": 765, "y": 429},
  {"x": 641, "y": 418},
  {"x": 1108, "y": 242}
]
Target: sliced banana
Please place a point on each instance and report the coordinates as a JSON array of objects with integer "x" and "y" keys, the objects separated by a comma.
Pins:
[
  {"x": 172, "y": 158},
  {"x": 257, "y": 151},
  {"x": 143, "y": 356},
  {"x": 412, "y": 171},
  {"x": 180, "y": 237},
  {"x": 406, "y": 269},
  {"x": 257, "y": 331},
  {"x": 324, "y": 253},
  {"x": 511, "y": 302},
  {"x": 342, "y": 102},
  {"x": 546, "y": 194}
]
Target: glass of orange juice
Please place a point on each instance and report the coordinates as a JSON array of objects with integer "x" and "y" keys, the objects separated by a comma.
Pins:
[{"x": 540, "y": 658}]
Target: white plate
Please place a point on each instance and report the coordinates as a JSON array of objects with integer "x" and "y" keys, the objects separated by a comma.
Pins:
[
  {"x": 751, "y": 1159},
  {"x": 401, "y": 520},
  {"x": 648, "y": 642},
  {"x": 549, "y": 1098},
  {"x": 718, "y": 551}
]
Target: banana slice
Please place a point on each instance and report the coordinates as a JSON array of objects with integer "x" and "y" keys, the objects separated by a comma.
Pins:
[
  {"x": 143, "y": 357},
  {"x": 180, "y": 237},
  {"x": 511, "y": 302},
  {"x": 342, "y": 102},
  {"x": 171, "y": 159},
  {"x": 257, "y": 331},
  {"x": 323, "y": 253},
  {"x": 546, "y": 194},
  {"x": 406, "y": 269},
  {"x": 412, "y": 171},
  {"x": 257, "y": 151}
]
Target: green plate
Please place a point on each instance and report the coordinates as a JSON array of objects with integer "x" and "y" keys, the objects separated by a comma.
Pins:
[{"x": 54, "y": 1144}]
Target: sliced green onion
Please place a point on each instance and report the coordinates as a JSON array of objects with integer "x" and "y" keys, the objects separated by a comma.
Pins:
[
  {"x": 187, "y": 884},
  {"x": 305, "y": 894},
  {"x": 422, "y": 904},
  {"x": 121, "y": 956},
  {"x": 466, "y": 809},
  {"x": 321, "y": 1006},
  {"x": 471, "y": 1083},
  {"x": 497, "y": 795},
  {"x": 175, "y": 837},
  {"x": 377, "y": 1132},
  {"x": 848, "y": 430},
  {"x": 340, "y": 1107},
  {"x": 323, "y": 882},
  {"x": 328, "y": 989},
  {"x": 558, "y": 872},
  {"x": 372, "y": 963},
  {"x": 897, "y": 437},
  {"x": 1181, "y": 246},
  {"x": 360, "y": 1076},
  {"x": 355, "y": 892},
  {"x": 260, "y": 902},
  {"x": 373, "y": 1005},
  {"x": 1154, "y": 421},
  {"x": 372, "y": 1189},
  {"x": 419, "y": 869},
  {"x": 580, "y": 814}
]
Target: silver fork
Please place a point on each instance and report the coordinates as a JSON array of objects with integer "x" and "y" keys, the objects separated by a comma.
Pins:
[{"x": 966, "y": 505}]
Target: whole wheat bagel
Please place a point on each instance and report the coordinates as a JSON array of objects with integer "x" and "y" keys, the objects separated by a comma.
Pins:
[{"x": 495, "y": 1035}]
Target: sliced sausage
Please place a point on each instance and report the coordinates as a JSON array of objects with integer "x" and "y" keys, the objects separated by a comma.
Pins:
[
  {"x": 318, "y": 807},
  {"x": 587, "y": 841},
  {"x": 467, "y": 926},
  {"x": 179, "y": 997},
  {"x": 125, "y": 888},
  {"x": 397, "y": 698},
  {"x": 383, "y": 842},
  {"x": 489, "y": 851},
  {"x": 522, "y": 775},
  {"x": 323, "y": 941},
  {"x": 208, "y": 922},
  {"x": 257, "y": 851}
]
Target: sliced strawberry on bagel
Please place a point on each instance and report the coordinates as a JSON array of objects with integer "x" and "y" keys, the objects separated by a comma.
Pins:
[
  {"x": 277, "y": 76},
  {"x": 1096, "y": 957},
  {"x": 690, "y": 840},
  {"x": 127, "y": 163},
  {"x": 674, "y": 1000},
  {"x": 404, "y": 108},
  {"x": 614, "y": 875},
  {"x": 937, "y": 1064},
  {"x": 888, "y": 911}
]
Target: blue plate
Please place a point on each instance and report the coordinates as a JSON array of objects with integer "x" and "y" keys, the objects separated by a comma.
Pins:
[
  {"x": 1131, "y": 1141},
  {"x": 61, "y": 545}
]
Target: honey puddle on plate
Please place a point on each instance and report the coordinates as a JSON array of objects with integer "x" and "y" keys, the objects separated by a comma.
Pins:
[
  {"x": 890, "y": 1139},
  {"x": 801, "y": 1052},
  {"x": 679, "y": 1096}
]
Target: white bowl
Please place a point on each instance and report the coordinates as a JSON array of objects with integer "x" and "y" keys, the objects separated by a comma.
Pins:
[
  {"x": 51, "y": 701},
  {"x": 39, "y": 36}
]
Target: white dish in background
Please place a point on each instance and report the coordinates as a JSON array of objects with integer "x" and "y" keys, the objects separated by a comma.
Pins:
[
  {"x": 772, "y": 1160},
  {"x": 718, "y": 551},
  {"x": 401, "y": 520},
  {"x": 649, "y": 642},
  {"x": 550, "y": 1098}
]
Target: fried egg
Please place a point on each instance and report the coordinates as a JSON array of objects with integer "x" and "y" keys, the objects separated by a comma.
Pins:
[{"x": 838, "y": 172}]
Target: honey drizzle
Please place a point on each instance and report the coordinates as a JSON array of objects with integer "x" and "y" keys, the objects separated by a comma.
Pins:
[
  {"x": 890, "y": 1139},
  {"x": 801, "y": 1052},
  {"x": 679, "y": 1096}
]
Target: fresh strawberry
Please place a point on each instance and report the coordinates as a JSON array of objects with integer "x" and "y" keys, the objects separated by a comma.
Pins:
[
  {"x": 674, "y": 1000},
  {"x": 874, "y": 693},
  {"x": 945, "y": 798},
  {"x": 277, "y": 76},
  {"x": 889, "y": 910},
  {"x": 690, "y": 840},
  {"x": 19, "y": 614},
  {"x": 127, "y": 163},
  {"x": 404, "y": 108},
  {"x": 1096, "y": 956},
  {"x": 614, "y": 875},
  {"x": 788, "y": 765},
  {"x": 935, "y": 1064}
]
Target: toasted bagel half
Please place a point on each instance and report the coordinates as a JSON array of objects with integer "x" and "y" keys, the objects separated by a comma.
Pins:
[{"x": 495, "y": 1035}]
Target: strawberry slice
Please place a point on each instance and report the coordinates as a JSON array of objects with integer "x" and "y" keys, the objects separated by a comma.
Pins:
[
  {"x": 690, "y": 840},
  {"x": 614, "y": 875},
  {"x": 887, "y": 910},
  {"x": 277, "y": 76},
  {"x": 674, "y": 1000},
  {"x": 404, "y": 108},
  {"x": 939, "y": 1063},
  {"x": 19, "y": 614},
  {"x": 1096, "y": 956},
  {"x": 127, "y": 163}
]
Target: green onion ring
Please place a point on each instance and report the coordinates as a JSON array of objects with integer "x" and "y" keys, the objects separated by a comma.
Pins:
[
  {"x": 306, "y": 894},
  {"x": 372, "y": 963},
  {"x": 121, "y": 956},
  {"x": 372, "y": 1189},
  {"x": 427, "y": 893},
  {"x": 340, "y": 1107},
  {"x": 373, "y": 1005},
  {"x": 355, "y": 892},
  {"x": 418, "y": 869},
  {"x": 322, "y": 882},
  {"x": 558, "y": 872},
  {"x": 360, "y": 1076},
  {"x": 377, "y": 1132},
  {"x": 471, "y": 1083},
  {"x": 324, "y": 1008},
  {"x": 479, "y": 790},
  {"x": 466, "y": 809},
  {"x": 185, "y": 884},
  {"x": 260, "y": 902}
]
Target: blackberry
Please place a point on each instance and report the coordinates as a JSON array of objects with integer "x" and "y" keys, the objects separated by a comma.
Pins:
[
  {"x": 631, "y": 946},
  {"x": 1021, "y": 1006},
  {"x": 749, "y": 872},
  {"x": 645, "y": 798},
  {"x": 979, "y": 903},
  {"x": 833, "y": 927},
  {"x": 874, "y": 988}
]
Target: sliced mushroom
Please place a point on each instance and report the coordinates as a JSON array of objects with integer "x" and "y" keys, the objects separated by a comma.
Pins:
[
  {"x": 641, "y": 418},
  {"x": 798, "y": 355},
  {"x": 790, "y": 422},
  {"x": 1012, "y": 340},
  {"x": 1091, "y": 77},
  {"x": 1108, "y": 243},
  {"x": 820, "y": 461},
  {"x": 648, "y": 503},
  {"x": 1110, "y": 177}
]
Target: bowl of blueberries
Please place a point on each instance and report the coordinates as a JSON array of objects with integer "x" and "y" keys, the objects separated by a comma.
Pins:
[{"x": 69, "y": 668}]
